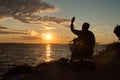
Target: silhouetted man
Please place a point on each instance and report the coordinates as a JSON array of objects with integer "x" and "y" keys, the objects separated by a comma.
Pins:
[{"x": 84, "y": 43}]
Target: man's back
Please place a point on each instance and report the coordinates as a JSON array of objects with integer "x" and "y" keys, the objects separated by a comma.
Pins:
[{"x": 87, "y": 38}]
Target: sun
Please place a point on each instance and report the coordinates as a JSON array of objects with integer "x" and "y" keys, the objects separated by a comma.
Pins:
[{"x": 48, "y": 36}]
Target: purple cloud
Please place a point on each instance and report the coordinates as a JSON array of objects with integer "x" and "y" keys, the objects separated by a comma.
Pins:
[
  {"x": 23, "y": 10},
  {"x": 12, "y": 32},
  {"x": 5, "y": 30},
  {"x": 3, "y": 27}
]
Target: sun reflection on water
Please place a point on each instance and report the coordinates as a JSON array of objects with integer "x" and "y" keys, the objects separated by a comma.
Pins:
[{"x": 48, "y": 57}]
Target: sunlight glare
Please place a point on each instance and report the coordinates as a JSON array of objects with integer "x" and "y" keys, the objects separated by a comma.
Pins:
[
  {"x": 48, "y": 55},
  {"x": 48, "y": 36}
]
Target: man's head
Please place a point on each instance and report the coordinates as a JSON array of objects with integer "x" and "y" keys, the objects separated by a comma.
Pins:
[{"x": 85, "y": 26}]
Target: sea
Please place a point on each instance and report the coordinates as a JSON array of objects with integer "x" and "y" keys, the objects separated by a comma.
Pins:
[{"x": 12, "y": 54}]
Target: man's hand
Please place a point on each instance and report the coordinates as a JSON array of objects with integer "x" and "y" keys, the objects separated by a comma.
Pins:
[{"x": 73, "y": 19}]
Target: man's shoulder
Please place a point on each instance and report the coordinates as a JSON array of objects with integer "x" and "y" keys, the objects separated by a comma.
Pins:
[{"x": 90, "y": 32}]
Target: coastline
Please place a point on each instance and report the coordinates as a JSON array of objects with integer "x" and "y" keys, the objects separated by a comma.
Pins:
[{"x": 107, "y": 68}]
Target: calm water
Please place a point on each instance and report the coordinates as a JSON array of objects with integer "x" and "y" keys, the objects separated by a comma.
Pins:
[
  {"x": 31, "y": 54},
  {"x": 17, "y": 54}
]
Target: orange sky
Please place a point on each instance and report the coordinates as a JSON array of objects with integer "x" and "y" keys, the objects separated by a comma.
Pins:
[{"x": 31, "y": 24}]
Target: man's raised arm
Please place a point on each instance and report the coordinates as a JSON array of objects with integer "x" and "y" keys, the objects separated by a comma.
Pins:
[{"x": 72, "y": 26}]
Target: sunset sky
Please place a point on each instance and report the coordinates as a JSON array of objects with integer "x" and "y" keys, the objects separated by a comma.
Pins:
[{"x": 48, "y": 21}]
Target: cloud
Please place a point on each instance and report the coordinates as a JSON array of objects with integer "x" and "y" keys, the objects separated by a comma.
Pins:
[
  {"x": 38, "y": 19},
  {"x": 3, "y": 27},
  {"x": 11, "y": 32},
  {"x": 107, "y": 34},
  {"x": 51, "y": 25},
  {"x": 24, "y": 10},
  {"x": 5, "y": 30},
  {"x": 55, "y": 19},
  {"x": 30, "y": 37},
  {"x": 29, "y": 11}
]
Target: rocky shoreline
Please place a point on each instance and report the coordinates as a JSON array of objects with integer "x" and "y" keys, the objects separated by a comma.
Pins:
[{"x": 105, "y": 66}]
